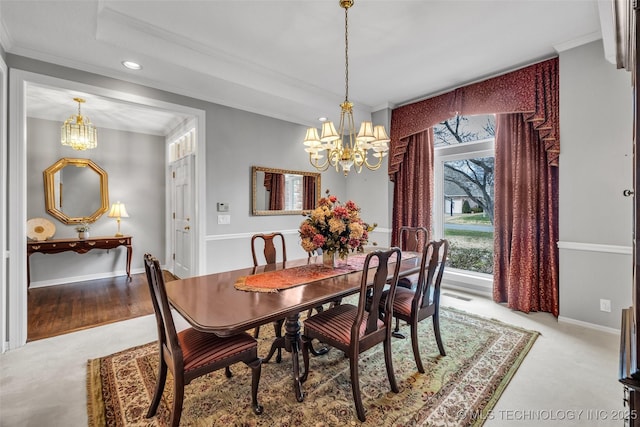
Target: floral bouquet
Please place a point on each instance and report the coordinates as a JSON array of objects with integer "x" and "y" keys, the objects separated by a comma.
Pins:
[
  {"x": 84, "y": 227},
  {"x": 335, "y": 228}
]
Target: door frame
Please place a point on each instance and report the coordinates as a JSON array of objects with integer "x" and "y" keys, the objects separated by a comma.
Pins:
[
  {"x": 187, "y": 126},
  {"x": 4, "y": 113},
  {"x": 16, "y": 304}
]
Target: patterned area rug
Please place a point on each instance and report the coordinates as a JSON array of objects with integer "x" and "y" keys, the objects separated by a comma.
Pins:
[{"x": 456, "y": 390}]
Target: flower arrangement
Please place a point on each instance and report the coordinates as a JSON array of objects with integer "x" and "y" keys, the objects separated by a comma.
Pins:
[
  {"x": 335, "y": 228},
  {"x": 84, "y": 227}
]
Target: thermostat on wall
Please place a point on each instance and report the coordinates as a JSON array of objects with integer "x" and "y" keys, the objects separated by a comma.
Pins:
[{"x": 223, "y": 207}]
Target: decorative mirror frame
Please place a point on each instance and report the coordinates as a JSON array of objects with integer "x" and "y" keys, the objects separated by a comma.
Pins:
[
  {"x": 257, "y": 212},
  {"x": 50, "y": 192}
]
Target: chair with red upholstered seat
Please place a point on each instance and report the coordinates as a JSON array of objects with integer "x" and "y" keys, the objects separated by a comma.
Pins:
[
  {"x": 353, "y": 329},
  {"x": 190, "y": 354},
  {"x": 413, "y": 306}
]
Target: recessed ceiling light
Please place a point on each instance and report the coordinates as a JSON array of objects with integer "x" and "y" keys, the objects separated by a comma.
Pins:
[
  {"x": 322, "y": 119},
  {"x": 132, "y": 65}
]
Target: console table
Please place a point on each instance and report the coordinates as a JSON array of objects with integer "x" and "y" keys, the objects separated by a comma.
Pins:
[{"x": 79, "y": 246}]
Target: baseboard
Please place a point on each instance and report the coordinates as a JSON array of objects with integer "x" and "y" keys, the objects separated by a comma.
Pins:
[
  {"x": 67, "y": 280},
  {"x": 562, "y": 319}
]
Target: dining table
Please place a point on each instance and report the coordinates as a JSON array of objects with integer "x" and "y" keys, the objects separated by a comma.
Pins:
[{"x": 214, "y": 303}]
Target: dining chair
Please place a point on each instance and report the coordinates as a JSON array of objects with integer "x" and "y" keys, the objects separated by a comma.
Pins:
[
  {"x": 190, "y": 354},
  {"x": 353, "y": 329},
  {"x": 270, "y": 259},
  {"x": 414, "y": 306}
]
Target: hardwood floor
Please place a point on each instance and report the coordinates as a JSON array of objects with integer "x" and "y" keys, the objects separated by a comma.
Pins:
[{"x": 56, "y": 310}]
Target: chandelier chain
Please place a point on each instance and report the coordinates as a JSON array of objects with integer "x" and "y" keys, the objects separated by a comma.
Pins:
[{"x": 346, "y": 54}]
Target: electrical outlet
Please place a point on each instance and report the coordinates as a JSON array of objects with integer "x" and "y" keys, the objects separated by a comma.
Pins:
[
  {"x": 605, "y": 305},
  {"x": 224, "y": 219}
]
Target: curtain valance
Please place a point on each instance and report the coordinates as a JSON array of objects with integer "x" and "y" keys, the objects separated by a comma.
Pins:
[{"x": 532, "y": 90}]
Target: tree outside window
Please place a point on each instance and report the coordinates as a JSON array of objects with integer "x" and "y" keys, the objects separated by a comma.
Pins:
[{"x": 467, "y": 182}]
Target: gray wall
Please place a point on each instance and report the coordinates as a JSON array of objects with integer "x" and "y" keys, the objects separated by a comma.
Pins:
[
  {"x": 237, "y": 140},
  {"x": 135, "y": 167},
  {"x": 595, "y": 167}
]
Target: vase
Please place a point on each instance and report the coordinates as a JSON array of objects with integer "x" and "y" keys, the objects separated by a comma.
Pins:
[
  {"x": 83, "y": 235},
  {"x": 329, "y": 259}
]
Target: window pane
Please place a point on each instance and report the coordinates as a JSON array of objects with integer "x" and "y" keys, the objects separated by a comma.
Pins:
[
  {"x": 468, "y": 213},
  {"x": 293, "y": 192},
  {"x": 462, "y": 129}
]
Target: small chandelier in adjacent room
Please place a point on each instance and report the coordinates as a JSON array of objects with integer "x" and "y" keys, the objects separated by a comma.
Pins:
[
  {"x": 345, "y": 149},
  {"x": 78, "y": 132}
]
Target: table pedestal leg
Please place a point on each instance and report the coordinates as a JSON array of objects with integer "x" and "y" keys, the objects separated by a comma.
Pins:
[{"x": 292, "y": 345}]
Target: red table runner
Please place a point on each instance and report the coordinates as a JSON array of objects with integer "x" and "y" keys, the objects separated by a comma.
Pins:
[{"x": 273, "y": 281}]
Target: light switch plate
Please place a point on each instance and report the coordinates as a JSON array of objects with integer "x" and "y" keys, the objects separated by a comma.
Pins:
[{"x": 224, "y": 219}]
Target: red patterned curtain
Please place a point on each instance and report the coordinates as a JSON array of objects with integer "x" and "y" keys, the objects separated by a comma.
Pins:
[
  {"x": 276, "y": 195},
  {"x": 526, "y": 218},
  {"x": 412, "y": 198},
  {"x": 308, "y": 192},
  {"x": 532, "y": 90}
]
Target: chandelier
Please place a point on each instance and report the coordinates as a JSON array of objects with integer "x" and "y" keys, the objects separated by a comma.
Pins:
[
  {"x": 343, "y": 148},
  {"x": 78, "y": 132}
]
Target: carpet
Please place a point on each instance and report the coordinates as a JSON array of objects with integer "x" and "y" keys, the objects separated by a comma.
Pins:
[{"x": 456, "y": 390}]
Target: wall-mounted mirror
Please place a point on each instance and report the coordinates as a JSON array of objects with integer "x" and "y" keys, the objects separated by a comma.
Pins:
[
  {"x": 284, "y": 192},
  {"x": 76, "y": 190}
]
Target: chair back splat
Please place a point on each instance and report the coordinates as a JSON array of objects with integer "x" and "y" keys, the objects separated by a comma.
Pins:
[
  {"x": 190, "y": 353},
  {"x": 413, "y": 239},
  {"x": 355, "y": 329},
  {"x": 269, "y": 250}
]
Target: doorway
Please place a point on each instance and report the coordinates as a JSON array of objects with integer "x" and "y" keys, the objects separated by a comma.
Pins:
[{"x": 16, "y": 304}]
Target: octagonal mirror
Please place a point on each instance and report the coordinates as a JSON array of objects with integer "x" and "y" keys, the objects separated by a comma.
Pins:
[{"x": 76, "y": 191}]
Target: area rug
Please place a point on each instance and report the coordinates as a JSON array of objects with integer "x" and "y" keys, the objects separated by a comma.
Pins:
[{"x": 456, "y": 390}]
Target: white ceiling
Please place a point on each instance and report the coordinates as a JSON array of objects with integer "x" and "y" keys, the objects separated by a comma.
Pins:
[{"x": 285, "y": 59}]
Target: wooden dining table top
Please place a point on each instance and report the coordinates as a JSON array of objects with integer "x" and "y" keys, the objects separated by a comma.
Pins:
[{"x": 211, "y": 303}]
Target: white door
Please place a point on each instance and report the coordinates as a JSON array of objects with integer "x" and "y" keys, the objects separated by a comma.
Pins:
[{"x": 182, "y": 178}]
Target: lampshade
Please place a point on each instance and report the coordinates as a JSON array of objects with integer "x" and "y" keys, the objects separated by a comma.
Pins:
[
  {"x": 329, "y": 132},
  {"x": 118, "y": 210},
  {"x": 77, "y": 131}
]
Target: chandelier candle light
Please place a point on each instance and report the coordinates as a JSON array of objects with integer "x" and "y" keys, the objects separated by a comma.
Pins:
[
  {"x": 344, "y": 148},
  {"x": 78, "y": 132},
  {"x": 118, "y": 211}
]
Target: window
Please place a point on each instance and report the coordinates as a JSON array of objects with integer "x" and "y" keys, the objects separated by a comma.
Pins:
[
  {"x": 463, "y": 204},
  {"x": 292, "y": 192}
]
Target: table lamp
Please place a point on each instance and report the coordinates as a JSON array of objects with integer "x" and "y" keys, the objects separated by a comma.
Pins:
[{"x": 118, "y": 211}]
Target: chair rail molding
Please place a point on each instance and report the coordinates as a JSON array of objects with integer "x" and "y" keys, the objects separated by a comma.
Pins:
[{"x": 595, "y": 247}]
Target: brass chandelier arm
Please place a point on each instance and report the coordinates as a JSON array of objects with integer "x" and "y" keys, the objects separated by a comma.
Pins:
[
  {"x": 321, "y": 167},
  {"x": 375, "y": 166}
]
